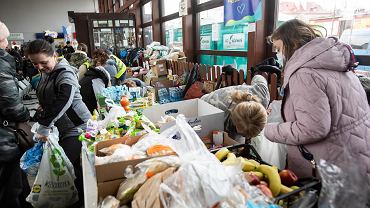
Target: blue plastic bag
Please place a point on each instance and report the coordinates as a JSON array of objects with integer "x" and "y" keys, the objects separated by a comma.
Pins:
[{"x": 30, "y": 160}]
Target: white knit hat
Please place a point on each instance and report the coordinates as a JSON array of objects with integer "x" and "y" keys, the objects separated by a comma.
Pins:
[{"x": 4, "y": 32}]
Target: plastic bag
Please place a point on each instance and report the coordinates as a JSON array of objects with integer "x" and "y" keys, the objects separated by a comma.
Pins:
[
  {"x": 274, "y": 110},
  {"x": 201, "y": 180},
  {"x": 30, "y": 160},
  {"x": 109, "y": 202},
  {"x": 54, "y": 184},
  {"x": 342, "y": 187},
  {"x": 270, "y": 152}
]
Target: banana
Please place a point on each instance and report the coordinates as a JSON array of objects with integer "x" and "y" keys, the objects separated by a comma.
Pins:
[
  {"x": 258, "y": 174},
  {"x": 231, "y": 159},
  {"x": 273, "y": 178},
  {"x": 254, "y": 162},
  {"x": 248, "y": 166},
  {"x": 222, "y": 153},
  {"x": 295, "y": 187},
  {"x": 285, "y": 190}
]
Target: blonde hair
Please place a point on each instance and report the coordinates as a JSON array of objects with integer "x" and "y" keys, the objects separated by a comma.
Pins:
[{"x": 249, "y": 116}]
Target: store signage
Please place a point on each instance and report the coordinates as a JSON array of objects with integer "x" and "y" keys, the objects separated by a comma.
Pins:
[
  {"x": 242, "y": 11},
  {"x": 15, "y": 36},
  {"x": 234, "y": 41},
  {"x": 205, "y": 42},
  {"x": 215, "y": 31},
  {"x": 183, "y": 8}
]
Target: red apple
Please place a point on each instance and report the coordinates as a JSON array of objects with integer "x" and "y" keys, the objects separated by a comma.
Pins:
[
  {"x": 265, "y": 190},
  {"x": 252, "y": 178},
  {"x": 288, "y": 178}
]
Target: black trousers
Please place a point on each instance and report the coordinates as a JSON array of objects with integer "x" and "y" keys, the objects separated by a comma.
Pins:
[
  {"x": 14, "y": 186},
  {"x": 72, "y": 148}
]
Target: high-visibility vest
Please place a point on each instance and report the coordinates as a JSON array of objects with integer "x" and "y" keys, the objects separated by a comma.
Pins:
[
  {"x": 87, "y": 64},
  {"x": 121, "y": 67}
]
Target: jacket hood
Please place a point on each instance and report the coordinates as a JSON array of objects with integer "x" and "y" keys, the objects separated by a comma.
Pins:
[
  {"x": 320, "y": 53},
  {"x": 63, "y": 63}
]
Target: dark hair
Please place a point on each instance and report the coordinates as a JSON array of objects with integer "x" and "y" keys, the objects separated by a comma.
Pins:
[
  {"x": 49, "y": 39},
  {"x": 294, "y": 34},
  {"x": 100, "y": 56},
  {"x": 68, "y": 42},
  {"x": 82, "y": 47},
  {"x": 40, "y": 46}
]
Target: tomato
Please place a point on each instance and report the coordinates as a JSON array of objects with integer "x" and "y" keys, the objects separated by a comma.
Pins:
[
  {"x": 124, "y": 101},
  {"x": 127, "y": 108}
]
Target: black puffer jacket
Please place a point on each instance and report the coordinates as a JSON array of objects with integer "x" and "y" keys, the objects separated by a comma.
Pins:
[{"x": 12, "y": 108}]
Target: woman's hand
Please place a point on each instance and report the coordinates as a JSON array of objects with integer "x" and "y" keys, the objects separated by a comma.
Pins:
[{"x": 42, "y": 137}]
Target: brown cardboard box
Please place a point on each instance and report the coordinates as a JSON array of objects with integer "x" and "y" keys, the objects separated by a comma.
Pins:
[
  {"x": 109, "y": 188},
  {"x": 160, "y": 68},
  {"x": 114, "y": 171},
  {"x": 227, "y": 141}
]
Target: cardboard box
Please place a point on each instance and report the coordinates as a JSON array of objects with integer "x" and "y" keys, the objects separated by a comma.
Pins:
[
  {"x": 196, "y": 111},
  {"x": 227, "y": 140},
  {"x": 114, "y": 171},
  {"x": 109, "y": 188},
  {"x": 160, "y": 68}
]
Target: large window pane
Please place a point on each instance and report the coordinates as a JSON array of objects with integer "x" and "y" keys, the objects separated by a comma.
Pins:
[
  {"x": 215, "y": 36},
  {"x": 237, "y": 62},
  {"x": 147, "y": 12},
  {"x": 170, "y": 7},
  {"x": 148, "y": 35},
  {"x": 347, "y": 19},
  {"x": 173, "y": 32}
]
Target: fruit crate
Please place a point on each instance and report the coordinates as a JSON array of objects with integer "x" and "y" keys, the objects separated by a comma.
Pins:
[{"x": 291, "y": 198}]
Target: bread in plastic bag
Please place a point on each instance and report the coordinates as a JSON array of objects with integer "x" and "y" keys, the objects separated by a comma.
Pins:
[
  {"x": 148, "y": 194},
  {"x": 201, "y": 180},
  {"x": 54, "y": 183},
  {"x": 109, "y": 202}
]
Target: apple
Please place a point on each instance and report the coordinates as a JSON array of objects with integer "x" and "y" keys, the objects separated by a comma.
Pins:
[
  {"x": 265, "y": 190},
  {"x": 288, "y": 178},
  {"x": 252, "y": 178}
]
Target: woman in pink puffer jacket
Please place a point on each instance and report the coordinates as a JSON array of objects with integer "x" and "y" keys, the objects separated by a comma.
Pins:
[{"x": 324, "y": 105}]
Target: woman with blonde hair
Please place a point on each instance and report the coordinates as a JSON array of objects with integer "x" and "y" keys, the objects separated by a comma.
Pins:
[
  {"x": 324, "y": 106},
  {"x": 244, "y": 107}
]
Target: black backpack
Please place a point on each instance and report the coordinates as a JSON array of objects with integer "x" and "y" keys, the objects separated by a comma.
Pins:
[{"x": 269, "y": 66}]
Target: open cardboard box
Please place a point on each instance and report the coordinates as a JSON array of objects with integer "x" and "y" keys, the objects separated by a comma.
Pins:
[
  {"x": 196, "y": 111},
  {"x": 227, "y": 140},
  {"x": 114, "y": 171},
  {"x": 160, "y": 68}
]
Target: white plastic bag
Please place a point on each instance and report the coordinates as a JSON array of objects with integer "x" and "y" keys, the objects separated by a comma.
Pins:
[
  {"x": 54, "y": 184},
  {"x": 201, "y": 180},
  {"x": 270, "y": 152},
  {"x": 274, "y": 110}
]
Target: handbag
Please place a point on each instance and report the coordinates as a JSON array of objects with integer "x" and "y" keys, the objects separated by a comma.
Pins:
[{"x": 22, "y": 133}]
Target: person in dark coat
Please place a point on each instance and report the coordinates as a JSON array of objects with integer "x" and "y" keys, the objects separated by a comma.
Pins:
[
  {"x": 13, "y": 182},
  {"x": 95, "y": 80}
]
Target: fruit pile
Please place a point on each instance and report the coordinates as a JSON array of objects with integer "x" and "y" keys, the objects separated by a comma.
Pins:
[{"x": 267, "y": 178}]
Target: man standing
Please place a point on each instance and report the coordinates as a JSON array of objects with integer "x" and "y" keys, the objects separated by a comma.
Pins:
[{"x": 13, "y": 182}]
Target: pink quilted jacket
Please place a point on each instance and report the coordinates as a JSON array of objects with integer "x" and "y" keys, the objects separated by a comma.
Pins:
[{"x": 325, "y": 109}]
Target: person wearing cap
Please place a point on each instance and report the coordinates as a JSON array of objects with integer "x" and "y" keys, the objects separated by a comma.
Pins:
[{"x": 14, "y": 186}]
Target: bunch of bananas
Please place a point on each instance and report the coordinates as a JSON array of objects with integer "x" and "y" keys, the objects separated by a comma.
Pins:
[{"x": 257, "y": 174}]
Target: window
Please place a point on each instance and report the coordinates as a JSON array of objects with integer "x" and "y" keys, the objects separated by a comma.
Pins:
[
  {"x": 202, "y": 1},
  {"x": 148, "y": 35},
  {"x": 147, "y": 12},
  {"x": 173, "y": 32},
  {"x": 349, "y": 20},
  {"x": 121, "y": 3},
  {"x": 215, "y": 36},
  {"x": 170, "y": 7},
  {"x": 237, "y": 62}
]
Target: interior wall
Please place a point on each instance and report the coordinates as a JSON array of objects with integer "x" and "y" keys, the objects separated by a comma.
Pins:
[{"x": 35, "y": 16}]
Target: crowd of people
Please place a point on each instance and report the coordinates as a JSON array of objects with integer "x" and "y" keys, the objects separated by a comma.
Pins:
[{"x": 324, "y": 108}]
